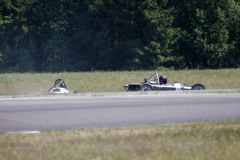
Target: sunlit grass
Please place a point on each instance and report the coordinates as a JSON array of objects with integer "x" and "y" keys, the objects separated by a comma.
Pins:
[
  {"x": 218, "y": 141},
  {"x": 29, "y": 83}
]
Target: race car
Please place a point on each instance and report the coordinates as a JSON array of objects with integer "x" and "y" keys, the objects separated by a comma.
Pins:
[
  {"x": 155, "y": 83},
  {"x": 60, "y": 87}
]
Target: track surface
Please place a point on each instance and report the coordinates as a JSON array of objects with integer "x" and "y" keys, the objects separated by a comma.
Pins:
[{"x": 63, "y": 113}]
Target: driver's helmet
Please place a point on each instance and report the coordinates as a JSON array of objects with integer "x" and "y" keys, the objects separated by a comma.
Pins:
[
  {"x": 163, "y": 79},
  {"x": 62, "y": 85}
]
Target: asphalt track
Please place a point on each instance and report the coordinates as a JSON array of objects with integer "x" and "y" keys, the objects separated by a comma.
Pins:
[{"x": 87, "y": 112}]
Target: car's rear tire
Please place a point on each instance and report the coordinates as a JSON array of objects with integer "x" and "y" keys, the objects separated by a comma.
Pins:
[
  {"x": 198, "y": 86},
  {"x": 146, "y": 88}
]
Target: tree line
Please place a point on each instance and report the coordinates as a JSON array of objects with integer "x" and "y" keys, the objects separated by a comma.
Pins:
[{"x": 83, "y": 35}]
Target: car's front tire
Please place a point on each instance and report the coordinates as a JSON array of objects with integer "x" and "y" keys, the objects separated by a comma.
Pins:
[{"x": 146, "y": 88}]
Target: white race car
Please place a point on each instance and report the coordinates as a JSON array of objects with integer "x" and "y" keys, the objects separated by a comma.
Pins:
[
  {"x": 155, "y": 83},
  {"x": 60, "y": 87}
]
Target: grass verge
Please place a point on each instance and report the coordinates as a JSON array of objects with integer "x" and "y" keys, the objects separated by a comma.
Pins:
[
  {"x": 32, "y": 83},
  {"x": 218, "y": 141}
]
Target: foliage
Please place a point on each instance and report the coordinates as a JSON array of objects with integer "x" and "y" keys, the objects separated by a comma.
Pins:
[
  {"x": 71, "y": 35},
  {"x": 208, "y": 37}
]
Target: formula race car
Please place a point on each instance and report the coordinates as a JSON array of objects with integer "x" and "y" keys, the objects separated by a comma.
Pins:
[
  {"x": 155, "y": 83},
  {"x": 60, "y": 87}
]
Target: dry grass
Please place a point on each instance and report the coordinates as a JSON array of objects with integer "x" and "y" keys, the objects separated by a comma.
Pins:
[
  {"x": 218, "y": 141},
  {"x": 29, "y": 83}
]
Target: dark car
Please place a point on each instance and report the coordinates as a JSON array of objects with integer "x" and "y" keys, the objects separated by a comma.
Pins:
[{"x": 156, "y": 83}]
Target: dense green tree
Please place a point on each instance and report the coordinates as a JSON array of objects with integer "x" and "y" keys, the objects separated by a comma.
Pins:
[
  {"x": 160, "y": 35},
  {"x": 13, "y": 28},
  {"x": 127, "y": 35},
  {"x": 80, "y": 35},
  {"x": 205, "y": 40},
  {"x": 48, "y": 22},
  {"x": 232, "y": 59}
]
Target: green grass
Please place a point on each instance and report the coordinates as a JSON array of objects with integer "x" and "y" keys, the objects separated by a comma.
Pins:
[
  {"x": 217, "y": 141},
  {"x": 29, "y": 83}
]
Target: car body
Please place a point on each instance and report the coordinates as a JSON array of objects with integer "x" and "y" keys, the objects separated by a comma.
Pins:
[
  {"x": 153, "y": 84},
  {"x": 58, "y": 91}
]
